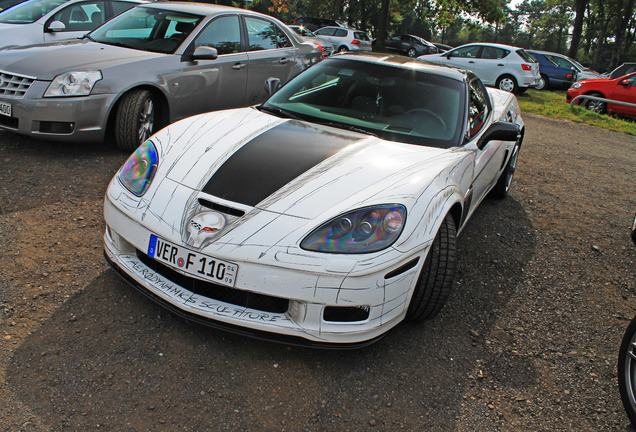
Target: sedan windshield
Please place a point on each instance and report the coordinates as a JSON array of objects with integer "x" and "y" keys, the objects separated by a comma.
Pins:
[
  {"x": 29, "y": 12},
  {"x": 394, "y": 103},
  {"x": 148, "y": 29}
]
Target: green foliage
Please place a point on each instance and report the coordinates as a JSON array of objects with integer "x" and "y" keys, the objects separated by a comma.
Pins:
[{"x": 553, "y": 104}]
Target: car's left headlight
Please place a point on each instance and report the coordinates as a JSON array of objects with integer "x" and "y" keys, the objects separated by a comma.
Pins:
[
  {"x": 139, "y": 170},
  {"x": 576, "y": 85},
  {"x": 76, "y": 83},
  {"x": 365, "y": 230}
]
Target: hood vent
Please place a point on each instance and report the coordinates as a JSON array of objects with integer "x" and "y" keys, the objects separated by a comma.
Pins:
[{"x": 221, "y": 208}]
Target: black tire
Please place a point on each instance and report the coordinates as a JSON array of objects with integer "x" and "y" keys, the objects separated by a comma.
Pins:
[
  {"x": 544, "y": 83},
  {"x": 412, "y": 52},
  {"x": 627, "y": 371},
  {"x": 501, "y": 189},
  {"x": 596, "y": 106},
  {"x": 438, "y": 273},
  {"x": 342, "y": 48},
  {"x": 135, "y": 119},
  {"x": 507, "y": 83}
]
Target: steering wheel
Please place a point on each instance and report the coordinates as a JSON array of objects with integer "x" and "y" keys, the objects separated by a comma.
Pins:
[{"x": 429, "y": 113}]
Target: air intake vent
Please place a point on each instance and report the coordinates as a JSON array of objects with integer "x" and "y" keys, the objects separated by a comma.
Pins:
[
  {"x": 14, "y": 85},
  {"x": 221, "y": 208}
]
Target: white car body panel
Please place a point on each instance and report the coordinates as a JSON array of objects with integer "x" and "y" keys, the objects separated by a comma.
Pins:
[{"x": 265, "y": 242}]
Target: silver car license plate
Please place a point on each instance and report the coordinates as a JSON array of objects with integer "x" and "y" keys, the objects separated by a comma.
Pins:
[
  {"x": 5, "y": 109},
  {"x": 193, "y": 263}
]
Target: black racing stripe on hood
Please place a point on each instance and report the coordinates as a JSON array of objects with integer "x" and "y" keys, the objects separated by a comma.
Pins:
[{"x": 271, "y": 160}]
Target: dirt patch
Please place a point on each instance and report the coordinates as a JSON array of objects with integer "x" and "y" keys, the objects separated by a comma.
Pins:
[{"x": 528, "y": 341}]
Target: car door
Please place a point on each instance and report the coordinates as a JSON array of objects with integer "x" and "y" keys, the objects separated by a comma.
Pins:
[
  {"x": 209, "y": 85},
  {"x": 77, "y": 18},
  {"x": 492, "y": 63},
  {"x": 463, "y": 57},
  {"x": 624, "y": 91},
  {"x": 270, "y": 54},
  {"x": 327, "y": 33},
  {"x": 489, "y": 160},
  {"x": 564, "y": 70}
]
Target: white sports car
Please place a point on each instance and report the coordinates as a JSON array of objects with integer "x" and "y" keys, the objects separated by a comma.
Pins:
[{"x": 326, "y": 215}]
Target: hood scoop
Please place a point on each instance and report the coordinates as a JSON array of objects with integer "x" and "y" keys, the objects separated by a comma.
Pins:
[{"x": 221, "y": 208}]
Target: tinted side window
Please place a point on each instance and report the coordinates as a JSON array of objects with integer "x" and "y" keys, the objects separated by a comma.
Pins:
[
  {"x": 325, "y": 31},
  {"x": 261, "y": 34},
  {"x": 467, "y": 52},
  {"x": 340, "y": 33},
  {"x": 223, "y": 33},
  {"x": 494, "y": 53},
  {"x": 478, "y": 108},
  {"x": 82, "y": 16}
]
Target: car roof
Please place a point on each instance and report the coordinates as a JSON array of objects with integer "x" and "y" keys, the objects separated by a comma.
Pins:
[
  {"x": 405, "y": 63},
  {"x": 496, "y": 45},
  {"x": 198, "y": 8}
]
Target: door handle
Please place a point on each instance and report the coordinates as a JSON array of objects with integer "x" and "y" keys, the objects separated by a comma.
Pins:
[
  {"x": 500, "y": 64},
  {"x": 284, "y": 60},
  {"x": 471, "y": 61},
  {"x": 238, "y": 66}
]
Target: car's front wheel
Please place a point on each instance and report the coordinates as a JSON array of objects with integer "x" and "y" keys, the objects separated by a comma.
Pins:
[
  {"x": 598, "y": 107},
  {"x": 507, "y": 83},
  {"x": 135, "y": 120},
  {"x": 438, "y": 272},
  {"x": 627, "y": 371},
  {"x": 502, "y": 187}
]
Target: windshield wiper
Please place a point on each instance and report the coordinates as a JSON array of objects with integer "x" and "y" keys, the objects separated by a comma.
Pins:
[
  {"x": 347, "y": 127},
  {"x": 279, "y": 112}
]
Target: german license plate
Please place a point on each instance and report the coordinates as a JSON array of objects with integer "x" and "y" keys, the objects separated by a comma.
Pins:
[
  {"x": 191, "y": 262},
  {"x": 5, "y": 109}
]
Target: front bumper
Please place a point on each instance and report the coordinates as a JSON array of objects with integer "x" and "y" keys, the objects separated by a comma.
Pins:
[
  {"x": 73, "y": 119},
  {"x": 382, "y": 300}
]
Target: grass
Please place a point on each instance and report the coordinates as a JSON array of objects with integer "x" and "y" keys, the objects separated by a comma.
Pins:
[{"x": 553, "y": 104}]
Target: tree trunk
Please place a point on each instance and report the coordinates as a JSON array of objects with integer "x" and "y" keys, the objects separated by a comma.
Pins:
[
  {"x": 578, "y": 27},
  {"x": 382, "y": 24}
]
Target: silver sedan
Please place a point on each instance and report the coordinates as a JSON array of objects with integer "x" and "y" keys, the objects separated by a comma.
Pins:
[{"x": 151, "y": 66}]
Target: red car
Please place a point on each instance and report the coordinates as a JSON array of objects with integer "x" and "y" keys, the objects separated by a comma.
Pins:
[{"x": 620, "y": 89}]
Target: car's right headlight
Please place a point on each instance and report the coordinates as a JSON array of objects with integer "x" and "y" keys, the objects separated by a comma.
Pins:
[
  {"x": 139, "y": 170},
  {"x": 76, "y": 83},
  {"x": 576, "y": 85}
]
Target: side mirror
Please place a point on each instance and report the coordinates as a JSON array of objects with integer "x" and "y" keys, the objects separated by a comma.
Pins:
[
  {"x": 56, "y": 26},
  {"x": 272, "y": 85},
  {"x": 448, "y": 55},
  {"x": 499, "y": 131},
  {"x": 205, "y": 53},
  {"x": 624, "y": 82}
]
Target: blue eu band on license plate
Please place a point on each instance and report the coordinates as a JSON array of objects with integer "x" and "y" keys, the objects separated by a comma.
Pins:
[{"x": 194, "y": 263}]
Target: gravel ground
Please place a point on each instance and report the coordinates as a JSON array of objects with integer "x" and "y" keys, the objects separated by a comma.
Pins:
[{"x": 527, "y": 342}]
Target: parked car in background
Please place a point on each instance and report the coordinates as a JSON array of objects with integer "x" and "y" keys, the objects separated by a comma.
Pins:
[
  {"x": 442, "y": 47},
  {"x": 559, "y": 71},
  {"x": 345, "y": 39},
  {"x": 622, "y": 70},
  {"x": 39, "y": 21},
  {"x": 357, "y": 229},
  {"x": 6, "y": 4},
  {"x": 152, "y": 65},
  {"x": 621, "y": 89},
  {"x": 409, "y": 45},
  {"x": 313, "y": 24},
  {"x": 506, "y": 67},
  {"x": 325, "y": 46}
]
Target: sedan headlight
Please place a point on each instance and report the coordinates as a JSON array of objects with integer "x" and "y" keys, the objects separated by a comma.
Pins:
[
  {"x": 576, "y": 85},
  {"x": 364, "y": 230},
  {"x": 77, "y": 83},
  {"x": 139, "y": 170}
]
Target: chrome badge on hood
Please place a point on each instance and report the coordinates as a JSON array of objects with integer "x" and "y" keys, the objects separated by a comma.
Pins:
[{"x": 202, "y": 227}]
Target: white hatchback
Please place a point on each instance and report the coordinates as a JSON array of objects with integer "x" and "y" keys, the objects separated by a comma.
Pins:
[
  {"x": 503, "y": 66},
  {"x": 345, "y": 39}
]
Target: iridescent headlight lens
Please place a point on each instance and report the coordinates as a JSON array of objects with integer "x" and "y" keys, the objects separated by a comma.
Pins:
[
  {"x": 364, "y": 230},
  {"x": 138, "y": 171}
]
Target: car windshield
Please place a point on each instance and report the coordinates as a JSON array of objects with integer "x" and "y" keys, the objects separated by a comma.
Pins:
[
  {"x": 29, "y": 12},
  {"x": 148, "y": 29},
  {"x": 393, "y": 103}
]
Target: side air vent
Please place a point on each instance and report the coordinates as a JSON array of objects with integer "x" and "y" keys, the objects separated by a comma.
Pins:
[{"x": 221, "y": 208}]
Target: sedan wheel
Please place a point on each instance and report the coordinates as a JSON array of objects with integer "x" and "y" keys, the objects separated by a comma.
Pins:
[
  {"x": 343, "y": 48},
  {"x": 507, "y": 83},
  {"x": 135, "y": 121},
  {"x": 627, "y": 371},
  {"x": 543, "y": 83},
  {"x": 436, "y": 278},
  {"x": 412, "y": 52}
]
